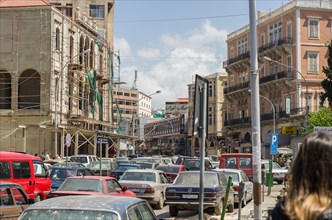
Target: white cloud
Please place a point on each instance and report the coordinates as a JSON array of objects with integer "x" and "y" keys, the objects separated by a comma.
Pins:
[{"x": 180, "y": 58}]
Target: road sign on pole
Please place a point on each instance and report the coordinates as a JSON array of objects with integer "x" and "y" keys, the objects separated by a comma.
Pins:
[
  {"x": 68, "y": 140},
  {"x": 274, "y": 144}
]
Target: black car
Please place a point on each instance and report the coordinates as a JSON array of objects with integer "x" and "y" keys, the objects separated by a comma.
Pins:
[
  {"x": 195, "y": 164},
  {"x": 122, "y": 167},
  {"x": 59, "y": 174},
  {"x": 183, "y": 194}
]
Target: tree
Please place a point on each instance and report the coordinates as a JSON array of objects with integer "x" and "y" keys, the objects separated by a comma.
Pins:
[
  {"x": 327, "y": 83},
  {"x": 323, "y": 117}
]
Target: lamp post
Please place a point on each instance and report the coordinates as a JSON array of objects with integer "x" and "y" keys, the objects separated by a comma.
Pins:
[
  {"x": 134, "y": 117},
  {"x": 306, "y": 98},
  {"x": 56, "y": 100}
]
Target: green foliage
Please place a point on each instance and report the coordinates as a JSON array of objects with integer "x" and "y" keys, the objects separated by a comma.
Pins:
[
  {"x": 327, "y": 83},
  {"x": 321, "y": 118}
]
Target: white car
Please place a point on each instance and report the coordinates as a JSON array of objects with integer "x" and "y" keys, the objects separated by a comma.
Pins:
[
  {"x": 278, "y": 171},
  {"x": 237, "y": 177},
  {"x": 147, "y": 184},
  {"x": 84, "y": 159}
]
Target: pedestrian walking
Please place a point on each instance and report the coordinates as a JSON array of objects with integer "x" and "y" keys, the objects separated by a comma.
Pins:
[{"x": 309, "y": 193}]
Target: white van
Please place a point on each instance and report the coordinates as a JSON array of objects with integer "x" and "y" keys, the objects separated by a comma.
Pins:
[{"x": 84, "y": 159}]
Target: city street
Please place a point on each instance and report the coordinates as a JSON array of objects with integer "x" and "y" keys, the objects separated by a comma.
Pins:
[{"x": 246, "y": 212}]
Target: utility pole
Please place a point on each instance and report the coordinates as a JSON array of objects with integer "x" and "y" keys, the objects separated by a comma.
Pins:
[{"x": 255, "y": 113}]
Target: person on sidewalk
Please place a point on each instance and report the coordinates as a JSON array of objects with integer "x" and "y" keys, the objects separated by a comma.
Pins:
[{"x": 309, "y": 194}]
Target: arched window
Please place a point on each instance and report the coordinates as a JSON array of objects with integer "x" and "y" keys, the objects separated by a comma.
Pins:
[
  {"x": 57, "y": 39},
  {"x": 5, "y": 90},
  {"x": 29, "y": 90}
]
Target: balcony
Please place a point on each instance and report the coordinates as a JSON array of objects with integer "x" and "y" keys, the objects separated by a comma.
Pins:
[
  {"x": 276, "y": 44},
  {"x": 231, "y": 61},
  {"x": 276, "y": 76},
  {"x": 238, "y": 121},
  {"x": 237, "y": 87}
]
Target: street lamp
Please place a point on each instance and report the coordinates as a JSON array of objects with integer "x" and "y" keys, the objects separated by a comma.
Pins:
[
  {"x": 306, "y": 97},
  {"x": 56, "y": 100},
  {"x": 134, "y": 117}
]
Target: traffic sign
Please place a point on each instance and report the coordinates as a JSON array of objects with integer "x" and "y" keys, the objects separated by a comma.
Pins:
[
  {"x": 274, "y": 144},
  {"x": 102, "y": 139},
  {"x": 68, "y": 140}
]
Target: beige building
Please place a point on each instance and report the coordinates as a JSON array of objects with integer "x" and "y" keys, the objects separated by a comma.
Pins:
[
  {"x": 54, "y": 82},
  {"x": 291, "y": 51},
  {"x": 216, "y": 106}
]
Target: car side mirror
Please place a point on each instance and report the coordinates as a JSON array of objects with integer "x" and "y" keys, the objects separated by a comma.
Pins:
[{"x": 125, "y": 188}]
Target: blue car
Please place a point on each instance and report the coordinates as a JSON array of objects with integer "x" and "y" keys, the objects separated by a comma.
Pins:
[
  {"x": 59, "y": 174},
  {"x": 122, "y": 167}
]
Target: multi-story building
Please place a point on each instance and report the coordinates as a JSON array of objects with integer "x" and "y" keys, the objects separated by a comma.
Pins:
[
  {"x": 54, "y": 82},
  {"x": 99, "y": 12},
  {"x": 291, "y": 52},
  {"x": 216, "y": 106}
]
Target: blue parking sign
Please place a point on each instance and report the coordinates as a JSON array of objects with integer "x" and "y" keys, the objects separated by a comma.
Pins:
[{"x": 274, "y": 144}]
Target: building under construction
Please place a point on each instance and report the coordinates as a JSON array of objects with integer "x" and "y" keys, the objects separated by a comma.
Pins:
[{"x": 55, "y": 82}]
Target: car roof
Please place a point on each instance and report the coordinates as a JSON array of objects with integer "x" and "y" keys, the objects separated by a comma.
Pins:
[
  {"x": 145, "y": 171},
  {"x": 170, "y": 165},
  {"x": 130, "y": 164},
  {"x": 15, "y": 155},
  {"x": 90, "y": 202},
  {"x": 70, "y": 167},
  {"x": 228, "y": 169},
  {"x": 2, "y": 183},
  {"x": 92, "y": 177}
]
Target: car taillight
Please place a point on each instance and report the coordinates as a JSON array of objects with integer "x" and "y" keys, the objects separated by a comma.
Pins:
[
  {"x": 149, "y": 190},
  {"x": 209, "y": 195},
  {"x": 236, "y": 188}
]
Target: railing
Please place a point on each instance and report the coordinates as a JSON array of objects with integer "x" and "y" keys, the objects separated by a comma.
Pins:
[
  {"x": 242, "y": 56},
  {"x": 281, "y": 41},
  {"x": 236, "y": 87},
  {"x": 276, "y": 76}
]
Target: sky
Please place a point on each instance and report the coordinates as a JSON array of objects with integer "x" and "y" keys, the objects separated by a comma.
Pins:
[{"x": 168, "y": 42}]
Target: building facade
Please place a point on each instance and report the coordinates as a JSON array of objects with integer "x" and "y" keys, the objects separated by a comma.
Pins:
[
  {"x": 291, "y": 52},
  {"x": 54, "y": 82},
  {"x": 216, "y": 105}
]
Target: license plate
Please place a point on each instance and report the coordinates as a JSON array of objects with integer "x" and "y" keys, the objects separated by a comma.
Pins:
[
  {"x": 185, "y": 196},
  {"x": 135, "y": 190}
]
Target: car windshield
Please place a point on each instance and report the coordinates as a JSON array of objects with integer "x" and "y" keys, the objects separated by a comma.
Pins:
[
  {"x": 169, "y": 169},
  {"x": 81, "y": 184},
  {"x": 79, "y": 159},
  {"x": 124, "y": 168},
  {"x": 141, "y": 176},
  {"x": 96, "y": 164},
  {"x": 62, "y": 174},
  {"x": 193, "y": 179},
  {"x": 43, "y": 214},
  {"x": 235, "y": 176},
  {"x": 192, "y": 164}
]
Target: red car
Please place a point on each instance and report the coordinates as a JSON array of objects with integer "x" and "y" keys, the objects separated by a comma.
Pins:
[
  {"x": 91, "y": 185},
  {"x": 171, "y": 170}
]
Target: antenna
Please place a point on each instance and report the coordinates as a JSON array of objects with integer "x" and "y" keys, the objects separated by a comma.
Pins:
[{"x": 134, "y": 84}]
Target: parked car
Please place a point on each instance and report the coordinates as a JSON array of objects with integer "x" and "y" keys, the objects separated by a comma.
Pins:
[
  {"x": 122, "y": 160},
  {"x": 237, "y": 177},
  {"x": 181, "y": 158},
  {"x": 90, "y": 207},
  {"x": 149, "y": 165},
  {"x": 122, "y": 167},
  {"x": 277, "y": 171},
  {"x": 68, "y": 164},
  {"x": 147, "y": 184},
  {"x": 59, "y": 174},
  {"x": 91, "y": 185},
  {"x": 13, "y": 200},
  {"x": 183, "y": 194},
  {"x": 106, "y": 168},
  {"x": 195, "y": 164},
  {"x": 172, "y": 170},
  {"x": 240, "y": 161},
  {"x": 84, "y": 159},
  {"x": 28, "y": 171}
]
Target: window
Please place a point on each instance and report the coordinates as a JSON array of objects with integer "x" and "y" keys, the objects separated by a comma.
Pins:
[
  {"x": 97, "y": 11},
  {"x": 5, "y": 90},
  {"x": 289, "y": 30},
  {"x": 57, "y": 39},
  {"x": 262, "y": 40},
  {"x": 313, "y": 30},
  {"x": 145, "y": 211},
  {"x": 69, "y": 10},
  {"x": 275, "y": 32},
  {"x": 19, "y": 196},
  {"x": 242, "y": 46},
  {"x": 39, "y": 169},
  {"x": 21, "y": 170},
  {"x": 312, "y": 62},
  {"x": 5, "y": 170}
]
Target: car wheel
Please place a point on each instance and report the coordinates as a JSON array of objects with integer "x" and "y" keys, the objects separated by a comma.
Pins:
[
  {"x": 38, "y": 198},
  {"x": 173, "y": 211},
  {"x": 230, "y": 208},
  {"x": 160, "y": 204},
  {"x": 244, "y": 199},
  {"x": 218, "y": 208},
  {"x": 280, "y": 181}
]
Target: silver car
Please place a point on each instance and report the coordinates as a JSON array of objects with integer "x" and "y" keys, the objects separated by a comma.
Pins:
[
  {"x": 277, "y": 171},
  {"x": 237, "y": 177},
  {"x": 90, "y": 207},
  {"x": 147, "y": 184}
]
